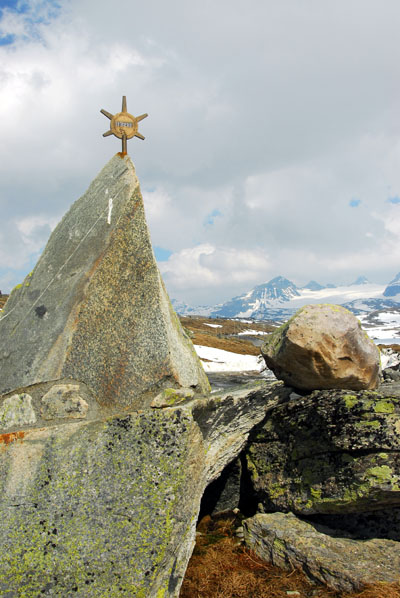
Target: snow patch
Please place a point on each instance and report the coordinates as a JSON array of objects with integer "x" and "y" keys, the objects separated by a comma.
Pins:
[
  {"x": 252, "y": 332},
  {"x": 389, "y": 358},
  {"x": 226, "y": 361}
]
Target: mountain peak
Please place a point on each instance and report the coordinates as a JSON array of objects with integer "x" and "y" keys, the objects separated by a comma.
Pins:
[
  {"x": 393, "y": 287},
  {"x": 360, "y": 280},
  {"x": 313, "y": 286},
  {"x": 277, "y": 288},
  {"x": 395, "y": 279}
]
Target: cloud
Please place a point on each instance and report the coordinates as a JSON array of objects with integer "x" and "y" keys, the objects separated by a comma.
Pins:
[
  {"x": 264, "y": 119},
  {"x": 195, "y": 272}
]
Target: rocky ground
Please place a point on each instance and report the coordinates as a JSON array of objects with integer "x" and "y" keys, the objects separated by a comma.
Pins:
[{"x": 221, "y": 565}]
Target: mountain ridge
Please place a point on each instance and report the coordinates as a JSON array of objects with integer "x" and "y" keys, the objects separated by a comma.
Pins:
[{"x": 280, "y": 298}]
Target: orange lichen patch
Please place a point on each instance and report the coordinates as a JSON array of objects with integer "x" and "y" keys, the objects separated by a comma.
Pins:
[{"x": 8, "y": 438}]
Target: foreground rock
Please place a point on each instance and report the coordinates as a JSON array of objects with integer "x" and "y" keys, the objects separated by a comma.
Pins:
[
  {"x": 331, "y": 452},
  {"x": 99, "y": 491},
  {"x": 322, "y": 347},
  {"x": 94, "y": 313},
  {"x": 341, "y": 563},
  {"x": 108, "y": 506}
]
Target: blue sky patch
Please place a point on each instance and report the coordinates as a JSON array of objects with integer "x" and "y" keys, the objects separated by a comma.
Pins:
[
  {"x": 161, "y": 254},
  {"x": 14, "y": 5},
  {"x": 32, "y": 16},
  {"x": 210, "y": 218},
  {"x": 6, "y": 40},
  {"x": 354, "y": 203},
  {"x": 394, "y": 200}
]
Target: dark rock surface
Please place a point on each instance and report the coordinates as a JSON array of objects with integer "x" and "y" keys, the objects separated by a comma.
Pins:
[
  {"x": 341, "y": 562},
  {"x": 383, "y": 523},
  {"x": 94, "y": 311},
  {"x": 223, "y": 494},
  {"x": 322, "y": 347},
  {"x": 328, "y": 452}
]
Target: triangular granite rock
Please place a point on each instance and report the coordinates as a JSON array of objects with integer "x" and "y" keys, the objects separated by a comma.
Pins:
[{"x": 94, "y": 311}]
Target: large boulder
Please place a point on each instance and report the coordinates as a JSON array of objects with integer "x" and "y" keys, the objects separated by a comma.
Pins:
[
  {"x": 321, "y": 347},
  {"x": 332, "y": 452},
  {"x": 107, "y": 506},
  {"x": 94, "y": 312},
  {"x": 108, "y": 436},
  {"x": 340, "y": 562}
]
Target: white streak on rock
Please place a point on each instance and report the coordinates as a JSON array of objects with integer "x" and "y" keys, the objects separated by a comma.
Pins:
[{"x": 110, "y": 207}]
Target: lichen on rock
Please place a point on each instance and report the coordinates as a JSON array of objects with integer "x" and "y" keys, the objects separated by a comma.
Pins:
[
  {"x": 17, "y": 410},
  {"x": 108, "y": 507},
  {"x": 329, "y": 452}
]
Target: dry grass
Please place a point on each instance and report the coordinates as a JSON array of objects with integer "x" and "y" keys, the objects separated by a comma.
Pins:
[
  {"x": 227, "y": 344},
  {"x": 222, "y": 568},
  {"x": 221, "y": 337},
  {"x": 228, "y": 570}
]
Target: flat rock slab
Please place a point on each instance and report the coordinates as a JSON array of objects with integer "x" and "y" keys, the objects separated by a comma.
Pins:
[
  {"x": 94, "y": 311},
  {"x": 341, "y": 563},
  {"x": 108, "y": 507}
]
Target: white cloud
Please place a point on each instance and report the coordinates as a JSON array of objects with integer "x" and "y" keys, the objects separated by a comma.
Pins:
[
  {"x": 199, "y": 271},
  {"x": 35, "y": 231},
  {"x": 273, "y": 115}
]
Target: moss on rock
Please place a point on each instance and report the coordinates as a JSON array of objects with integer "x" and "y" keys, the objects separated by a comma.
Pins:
[{"x": 329, "y": 452}]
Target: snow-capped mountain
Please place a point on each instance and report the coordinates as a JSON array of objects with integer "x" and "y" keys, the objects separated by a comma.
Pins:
[
  {"x": 361, "y": 280},
  {"x": 393, "y": 288},
  {"x": 277, "y": 291},
  {"x": 280, "y": 298},
  {"x": 313, "y": 286},
  {"x": 183, "y": 309}
]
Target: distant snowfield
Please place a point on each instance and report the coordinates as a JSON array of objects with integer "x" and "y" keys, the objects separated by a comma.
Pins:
[
  {"x": 225, "y": 361},
  {"x": 385, "y": 328},
  {"x": 339, "y": 295}
]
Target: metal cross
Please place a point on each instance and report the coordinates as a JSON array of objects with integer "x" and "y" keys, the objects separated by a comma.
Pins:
[{"x": 123, "y": 125}]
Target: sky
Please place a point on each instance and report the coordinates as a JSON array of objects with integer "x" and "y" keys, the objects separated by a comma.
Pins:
[{"x": 272, "y": 143}]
